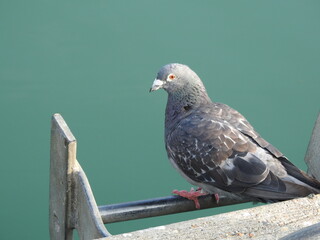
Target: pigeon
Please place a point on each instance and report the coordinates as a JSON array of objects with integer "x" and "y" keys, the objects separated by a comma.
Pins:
[{"x": 215, "y": 148}]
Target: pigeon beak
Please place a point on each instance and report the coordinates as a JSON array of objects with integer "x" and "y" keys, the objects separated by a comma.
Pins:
[{"x": 157, "y": 84}]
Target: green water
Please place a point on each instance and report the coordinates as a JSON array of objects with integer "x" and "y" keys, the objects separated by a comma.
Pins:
[{"x": 94, "y": 62}]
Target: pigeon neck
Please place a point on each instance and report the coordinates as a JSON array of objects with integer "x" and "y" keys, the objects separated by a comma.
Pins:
[{"x": 181, "y": 103}]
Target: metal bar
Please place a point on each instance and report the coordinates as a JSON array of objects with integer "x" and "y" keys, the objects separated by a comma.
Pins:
[
  {"x": 160, "y": 206},
  {"x": 306, "y": 233}
]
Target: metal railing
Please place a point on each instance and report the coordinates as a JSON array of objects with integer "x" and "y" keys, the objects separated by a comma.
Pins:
[{"x": 72, "y": 204}]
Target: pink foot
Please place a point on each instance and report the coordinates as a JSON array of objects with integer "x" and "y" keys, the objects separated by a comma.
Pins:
[
  {"x": 216, "y": 195},
  {"x": 192, "y": 195}
]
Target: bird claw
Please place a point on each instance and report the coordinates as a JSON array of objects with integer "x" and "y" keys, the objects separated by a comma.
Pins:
[
  {"x": 216, "y": 196},
  {"x": 191, "y": 195}
]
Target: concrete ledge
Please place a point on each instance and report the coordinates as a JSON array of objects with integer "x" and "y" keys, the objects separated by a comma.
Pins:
[{"x": 270, "y": 221}]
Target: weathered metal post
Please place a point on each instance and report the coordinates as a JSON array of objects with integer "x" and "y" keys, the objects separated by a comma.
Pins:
[
  {"x": 312, "y": 157},
  {"x": 72, "y": 205}
]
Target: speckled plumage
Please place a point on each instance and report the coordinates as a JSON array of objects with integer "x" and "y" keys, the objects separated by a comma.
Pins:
[{"x": 214, "y": 147}]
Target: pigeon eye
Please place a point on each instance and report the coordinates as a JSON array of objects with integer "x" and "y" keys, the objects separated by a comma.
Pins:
[{"x": 171, "y": 77}]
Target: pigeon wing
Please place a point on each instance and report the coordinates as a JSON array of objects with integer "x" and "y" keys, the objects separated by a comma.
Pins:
[
  {"x": 237, "y": 120},
  {"x": 211, "y": 151}
]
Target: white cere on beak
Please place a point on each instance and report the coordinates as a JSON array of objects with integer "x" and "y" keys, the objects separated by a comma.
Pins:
[{"x": 156, "y": 85}]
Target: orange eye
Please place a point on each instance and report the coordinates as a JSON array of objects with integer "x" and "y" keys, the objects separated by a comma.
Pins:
[{"x": 171, "y": 76}]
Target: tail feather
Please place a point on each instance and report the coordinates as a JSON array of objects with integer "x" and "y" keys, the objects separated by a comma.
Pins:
[
  {"x": 291, "y": 191},
  {"x": 295, "y": 172}
]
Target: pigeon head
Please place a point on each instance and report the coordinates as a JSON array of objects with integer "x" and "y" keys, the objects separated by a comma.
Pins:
[
  {"x": 176, "y": 77},
  {"x": 183, "y": 85}
]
